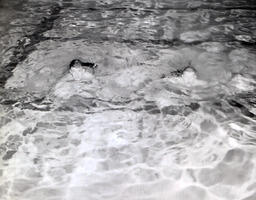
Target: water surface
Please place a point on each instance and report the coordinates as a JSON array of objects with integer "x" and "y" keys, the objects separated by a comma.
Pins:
[{"x": 168, "y": 114}]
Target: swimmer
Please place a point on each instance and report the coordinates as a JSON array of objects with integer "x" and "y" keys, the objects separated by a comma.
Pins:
[{"x": 82, "y": 70}]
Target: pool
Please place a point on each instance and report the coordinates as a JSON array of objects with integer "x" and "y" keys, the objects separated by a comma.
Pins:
[{"x": 127, "y": 100}]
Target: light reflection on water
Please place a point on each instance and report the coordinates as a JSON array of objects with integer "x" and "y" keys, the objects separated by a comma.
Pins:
[{"x": 143, "y": 126}]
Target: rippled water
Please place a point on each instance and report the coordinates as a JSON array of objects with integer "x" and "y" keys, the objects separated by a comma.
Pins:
[{"x": 169, "y": 113}]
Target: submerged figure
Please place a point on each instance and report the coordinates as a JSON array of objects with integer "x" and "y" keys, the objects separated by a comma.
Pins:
[
  {"x": 184, "y": 72},
  {"x": 186, "y": 76},
  {"x": 82, "y": 70}
]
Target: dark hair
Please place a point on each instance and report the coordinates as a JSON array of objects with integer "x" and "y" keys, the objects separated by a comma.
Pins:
[{"x": 85, "y": 64}]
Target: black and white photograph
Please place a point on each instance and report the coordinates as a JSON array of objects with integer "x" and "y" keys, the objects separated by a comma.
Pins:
[{"x": 127, "y": 99}]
